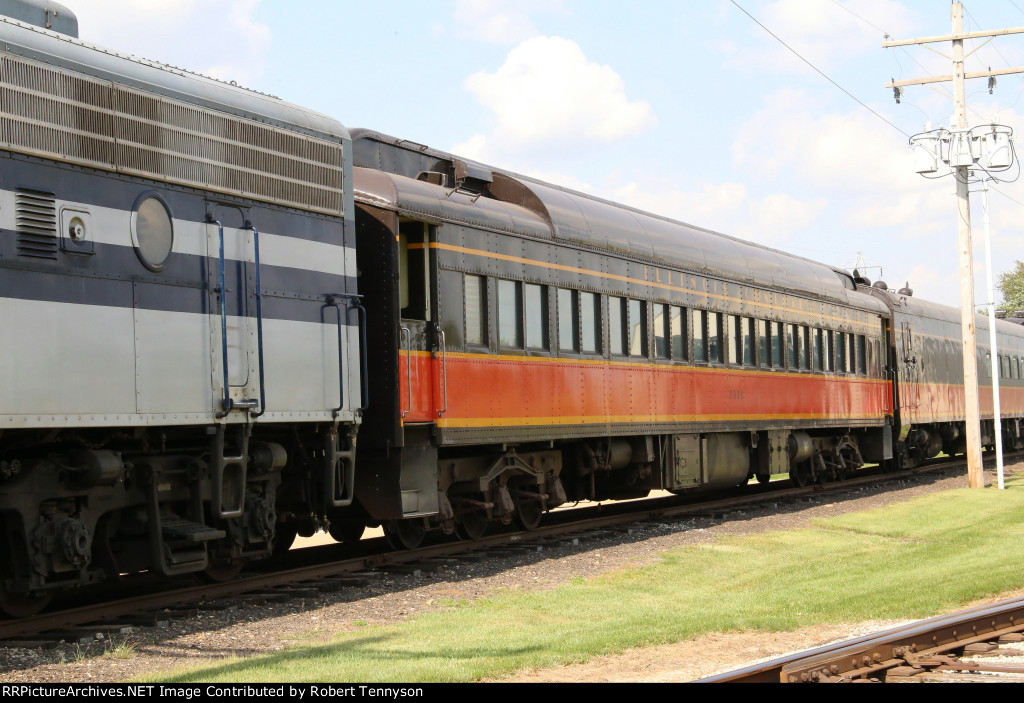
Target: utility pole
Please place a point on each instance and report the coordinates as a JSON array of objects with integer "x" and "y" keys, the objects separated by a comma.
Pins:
[{"x": 972, "y": 410}]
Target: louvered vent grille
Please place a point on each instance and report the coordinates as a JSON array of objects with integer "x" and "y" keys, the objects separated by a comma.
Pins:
[
  {"x": 36, "y": 223},
  {"x": 55, "y": 113}
]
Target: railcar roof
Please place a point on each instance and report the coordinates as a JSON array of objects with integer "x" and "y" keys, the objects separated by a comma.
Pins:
[
  {"x": 77, "y": 55},
  {"x": 917, "y": 307},
  {"x": 580, "y": 218}
]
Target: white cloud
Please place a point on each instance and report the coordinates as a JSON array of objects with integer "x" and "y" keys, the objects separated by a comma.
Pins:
[
  {"x": 154, "y": 29},
  {"x": 548, "y": 91},
  {"x": 502, "y": 21},
  {"x": 854, "y": 151}
]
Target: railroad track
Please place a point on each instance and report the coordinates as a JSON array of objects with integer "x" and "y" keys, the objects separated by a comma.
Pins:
[
  {"x": 148, "y": 600},
  {"x": 980, "y": 645}
]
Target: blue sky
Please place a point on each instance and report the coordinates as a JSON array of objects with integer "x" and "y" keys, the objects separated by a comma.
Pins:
[{"x": 686, "y": 108}]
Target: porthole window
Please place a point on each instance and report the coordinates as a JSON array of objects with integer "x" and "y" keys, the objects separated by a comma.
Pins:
[{"x": 152, "y": 231}]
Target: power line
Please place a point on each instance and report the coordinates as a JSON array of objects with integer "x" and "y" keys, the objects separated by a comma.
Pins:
[
  {"x": 822, "y": 73},
  {"x": 1008, "y": 197},
  {"x": 844, "y": 7}
]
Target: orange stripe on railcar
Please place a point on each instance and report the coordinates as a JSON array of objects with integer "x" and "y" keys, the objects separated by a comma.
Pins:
[{"x": 482, "y": 391}]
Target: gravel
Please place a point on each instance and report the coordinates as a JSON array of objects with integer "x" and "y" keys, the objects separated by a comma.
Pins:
[{"x": 239, "y": 628}]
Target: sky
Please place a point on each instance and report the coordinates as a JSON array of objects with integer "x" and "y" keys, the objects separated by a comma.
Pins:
[{"x": 685, "y": 108}]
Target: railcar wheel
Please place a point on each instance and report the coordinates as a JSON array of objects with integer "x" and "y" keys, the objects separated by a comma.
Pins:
[
  {"x": 763, "y": 478},
  {"x": 471, "y": 525},
  {"x": 801, "y": 474},
  {"x": 284, "y": 537},
  {"x": 346, "y": 532},
  {"x": 529, "y": 511},
  {"x": 22, "y": 606},
  {"x": 404, "y": 534},
  {"x": 222, "y": 570}
]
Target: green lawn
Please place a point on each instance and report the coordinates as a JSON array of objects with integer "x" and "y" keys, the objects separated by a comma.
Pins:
[{"x": 907, "y": 560}]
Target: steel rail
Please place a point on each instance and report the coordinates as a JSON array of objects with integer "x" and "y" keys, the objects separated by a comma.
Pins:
[
  {"x": 915, "y": 645},
  {"x": 595, "y": 518}
]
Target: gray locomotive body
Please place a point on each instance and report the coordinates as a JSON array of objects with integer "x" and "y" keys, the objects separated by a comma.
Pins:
[{"x": 177, "y": 296}]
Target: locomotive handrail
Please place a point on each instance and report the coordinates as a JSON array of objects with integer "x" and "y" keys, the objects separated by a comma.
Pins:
[
  {"x": 403, "y": 333},
  {"x": 444, "y": 374},
  {"x": 227, "y": 402},
  {"x": 353, "y": 301},
  {"x": 259, "y": 321},
  {"x": 364, "y": 381}
]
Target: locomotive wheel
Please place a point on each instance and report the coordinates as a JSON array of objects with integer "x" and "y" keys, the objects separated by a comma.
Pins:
[
  {"x": 346, "y": 532},
  {"x": 22, "y": 606},
  {"x": 404, "y": 534}
]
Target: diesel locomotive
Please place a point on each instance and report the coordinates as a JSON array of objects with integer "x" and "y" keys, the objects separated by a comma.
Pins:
[
  {"x": 181, "y": 322},
  {"x": 210, "y": 298}
]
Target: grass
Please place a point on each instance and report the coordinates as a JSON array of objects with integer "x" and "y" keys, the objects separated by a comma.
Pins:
[
  {"x": 906, "y": 560},
  {"x": 119, "y": 650}
]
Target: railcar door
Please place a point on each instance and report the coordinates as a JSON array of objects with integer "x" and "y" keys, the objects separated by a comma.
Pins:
[
  {"x": 910, "y": 368},
  {"x": 231, "y": 282},
  {"x": 422, "y": 359}
]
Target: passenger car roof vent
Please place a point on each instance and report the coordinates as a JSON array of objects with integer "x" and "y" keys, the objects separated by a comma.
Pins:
[
  {"x": 472, "y": 176},
  {"x": 880, "y": 285},
  {"x": 906, "y": 290},
  {"x": 860, "y": 280}
]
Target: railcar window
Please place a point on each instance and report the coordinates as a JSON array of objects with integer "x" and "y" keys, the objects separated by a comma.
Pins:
[
  {"x": 536, "y": 300},
  {"x": 862, "y": 357},
  {"x": 840, "y": 352},
  {"x": 662, "y": 334},
  {"x": 794, "y": 346},
  {"x": 730, "y": 338},
  {"x": 778, "y": 331},
  {"x": 1004, "y": 366},
  {"x": 1014, "y": 368},
  {"x": 700, "y": 349},
  {"x": 590, "y": 313},
  {"x": 816, "y": 349},
  {"x": 616, "y": 325},
  {"x": 987, "y": 369},
  {"x": 827, "y": 350},
  {"x": 678, "y": 332},
  {"x": 414, "y": 270},
  {"x": 637, "y": 329},
  {"x": 762, "y": 343},
  {"x": 805, "y": 349},
  {"x": 714, "y": 337},
  {"x": 510, "y": 314},
  {"x": 747, "y": 330},
  {"x": 567, "y": 320},
  {"x": 476, "y": 315}
]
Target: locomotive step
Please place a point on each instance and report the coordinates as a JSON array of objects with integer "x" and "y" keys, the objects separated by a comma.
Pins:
[{"x": 192, "y": 532}]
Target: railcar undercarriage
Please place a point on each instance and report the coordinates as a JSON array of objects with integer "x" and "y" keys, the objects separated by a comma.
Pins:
[
  {"x": 78, "y": 507},
  {"x": 480, "y": 486}
]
